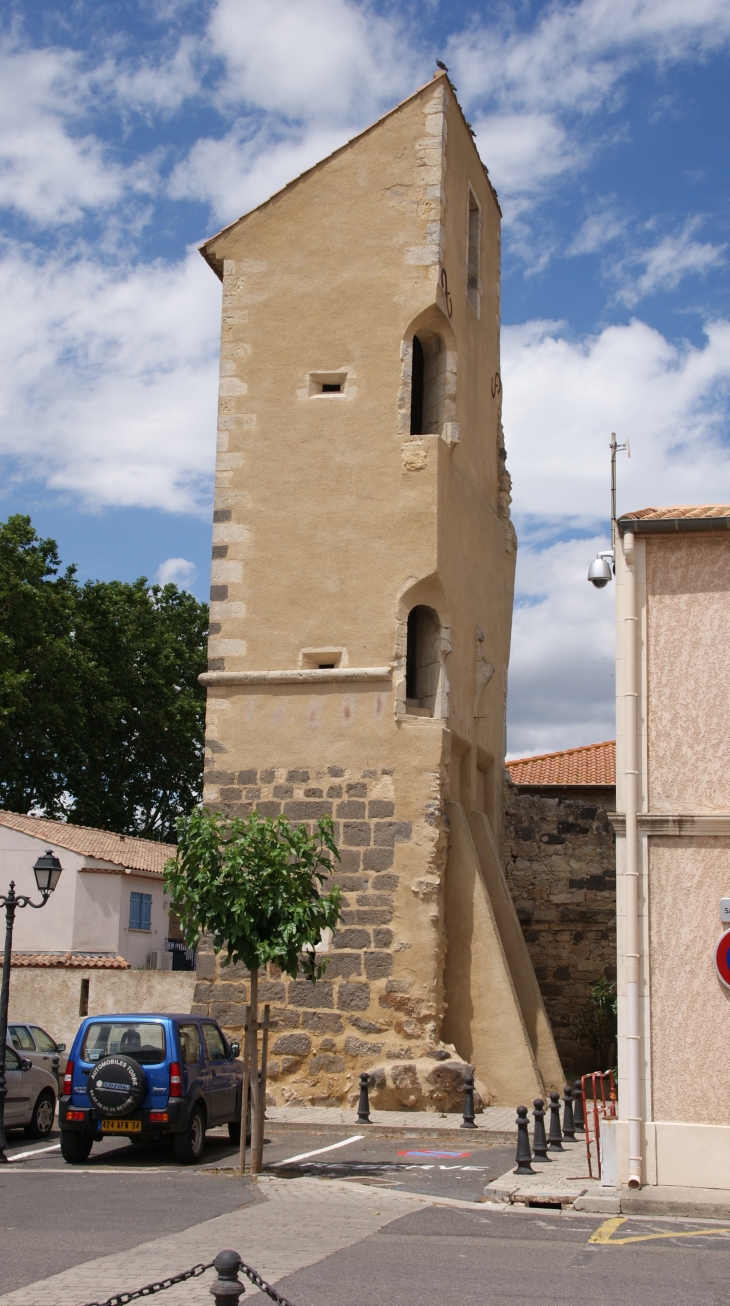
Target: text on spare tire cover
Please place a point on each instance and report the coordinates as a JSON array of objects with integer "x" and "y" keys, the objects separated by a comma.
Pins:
[{"x": 117, "y": 1085}]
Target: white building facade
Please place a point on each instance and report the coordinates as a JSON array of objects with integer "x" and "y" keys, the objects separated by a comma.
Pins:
[{"x": 109, "y": 901}]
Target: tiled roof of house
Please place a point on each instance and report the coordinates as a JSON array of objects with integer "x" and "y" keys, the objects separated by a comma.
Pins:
[
  {"x": 121, "y": 849},
  {"x": 679, "y": 510},
  {"x": 591, "y": 765},
  {"x": 79, "y": 960}
]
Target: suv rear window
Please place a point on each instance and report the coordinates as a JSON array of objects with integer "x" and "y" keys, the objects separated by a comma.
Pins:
[{"x": 145, "y": 1041}]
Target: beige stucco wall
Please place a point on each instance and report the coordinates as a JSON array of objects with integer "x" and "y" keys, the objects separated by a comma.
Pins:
[
  {"x": 689, "y": 673},
  {"x": 331, "y": 522},
  {"x": 683, "y": 719},
  {"x": 690, "y": 1008},
  {"x": 50, "y": 998}
]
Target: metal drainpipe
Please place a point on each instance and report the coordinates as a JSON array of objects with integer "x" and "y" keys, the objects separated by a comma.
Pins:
[{"x": 632, "y": 868}]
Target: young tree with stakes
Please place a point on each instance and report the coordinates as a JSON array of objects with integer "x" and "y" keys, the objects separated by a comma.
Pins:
[{"x": 255, "y": 885}]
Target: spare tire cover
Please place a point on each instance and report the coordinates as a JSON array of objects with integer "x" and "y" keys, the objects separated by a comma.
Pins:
[{"x": 117, "y": 1085}]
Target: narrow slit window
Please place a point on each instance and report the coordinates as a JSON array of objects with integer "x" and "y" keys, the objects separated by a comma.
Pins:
[
  {"x": 417, "y": 388},
  {"x": 331, "y": 388},
  {"x": 473, "y": 251}
]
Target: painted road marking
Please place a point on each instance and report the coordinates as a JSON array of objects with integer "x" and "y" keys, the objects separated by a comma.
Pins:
[
  {"x": 434, "y": 1154},
  {"x": 332, "y": 1147},
  {"x": 602, "y": 1235},
  {"x": 21, "y": 1156}
]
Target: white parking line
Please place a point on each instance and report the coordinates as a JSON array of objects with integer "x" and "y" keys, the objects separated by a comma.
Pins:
[
  {"x": 332, "y": 1147},
  {"x": 21, "y": 1156}
]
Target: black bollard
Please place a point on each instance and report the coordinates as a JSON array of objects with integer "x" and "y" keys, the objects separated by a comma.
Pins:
[
  {"x": 468, "y": 1121},
  {"x": 578, "y": 1117},
  {"x": 568, "y": 1122},
  {"x": 539, "y": 1141},
  {"x": 524, "y": 1155},
  {"x": 555, "y": 1136},
  {"x": 363, "y": 1106},
  {"x": 227, "y": 1288}
]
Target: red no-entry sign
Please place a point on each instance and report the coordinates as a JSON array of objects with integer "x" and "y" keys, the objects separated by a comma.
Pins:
[{"x": 722, "y": 958}]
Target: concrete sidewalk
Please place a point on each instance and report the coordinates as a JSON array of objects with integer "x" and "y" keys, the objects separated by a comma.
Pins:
[
  {"x": 499, "y": 1122},
  {"x": 563, "y": 1181},
  {"x": 293, "y": 1224}
]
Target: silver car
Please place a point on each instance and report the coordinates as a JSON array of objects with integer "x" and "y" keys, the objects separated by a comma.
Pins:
[
  {"x": 31, "y": 1100},
  {"x": 34, "y": 1043}
]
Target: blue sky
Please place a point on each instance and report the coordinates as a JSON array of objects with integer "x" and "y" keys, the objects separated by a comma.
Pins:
[{"x": 129, "y": 131}]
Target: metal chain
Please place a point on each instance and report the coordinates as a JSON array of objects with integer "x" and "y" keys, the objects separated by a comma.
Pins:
[
  {"x": 121, "y": 1298},
  {"x": 262, "y": 1284}
]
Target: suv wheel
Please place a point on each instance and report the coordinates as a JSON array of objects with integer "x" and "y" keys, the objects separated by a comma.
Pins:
[
  {"x": 41, "y": 1121},
  {"x": 189, "y": 1145},
  {"x": 75, "y": 1148}
]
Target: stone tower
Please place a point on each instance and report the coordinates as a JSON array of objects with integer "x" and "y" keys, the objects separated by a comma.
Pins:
[{"x": 361, "y": 597}]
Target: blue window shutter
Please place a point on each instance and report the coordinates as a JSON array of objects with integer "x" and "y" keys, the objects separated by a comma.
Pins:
[
  {"x": 146, "y": 912},
  {"x": 135, "y": 911}
]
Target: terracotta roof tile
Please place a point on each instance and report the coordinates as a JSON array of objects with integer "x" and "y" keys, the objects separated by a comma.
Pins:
[
  {"x": 679, "y": 510},
  {"x": 593, "y": 764},
  {"x": 121, "y": 849},
  {"x": 79, "y": 960}
]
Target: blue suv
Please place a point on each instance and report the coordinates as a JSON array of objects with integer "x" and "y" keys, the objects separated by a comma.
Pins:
[{"x": 147, "y": 1077}]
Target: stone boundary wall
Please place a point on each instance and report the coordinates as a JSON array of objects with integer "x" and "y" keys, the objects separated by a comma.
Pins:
[
  {"x": 49, "y": 997},
  {"x": 560, "y": 862}
]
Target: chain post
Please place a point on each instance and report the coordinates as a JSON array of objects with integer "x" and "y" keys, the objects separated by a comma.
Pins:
[{"x": 227, "y": 1288}]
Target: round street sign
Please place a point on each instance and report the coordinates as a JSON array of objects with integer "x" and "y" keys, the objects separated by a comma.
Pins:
[{"x": 722, "y": 958}]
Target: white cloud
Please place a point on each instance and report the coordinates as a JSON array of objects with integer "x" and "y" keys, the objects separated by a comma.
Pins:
[
  {"x": 312, "y": 59},
  {"x": 108, "y": 379},
  {"x": 561, "y": 675},
  {"x": 668, "y": 262},
  {"x": 524, "y": 151},
  {"x": 49, "y": 171},
  {"x": 164, "y": 84},
  {"x": 540, "y": 84},
  {"x": 176, "y": 571},
  {"x": 600, "y": 228},
  {"x": 563, "y": 398},
  {"x": 234, "y": 174}
]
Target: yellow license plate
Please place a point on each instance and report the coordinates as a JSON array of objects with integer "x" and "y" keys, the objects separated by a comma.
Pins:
[{"x": 121, "y": 1126}]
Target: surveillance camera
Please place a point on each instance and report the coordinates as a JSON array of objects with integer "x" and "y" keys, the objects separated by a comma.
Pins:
[{"x": 599, "y": 572}]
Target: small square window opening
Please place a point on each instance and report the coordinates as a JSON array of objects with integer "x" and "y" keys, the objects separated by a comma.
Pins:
[{"x": 327, "y": 383}]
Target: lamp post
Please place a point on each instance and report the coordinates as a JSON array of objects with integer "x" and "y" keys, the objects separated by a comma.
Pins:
[{"x": 47, "y": 871}]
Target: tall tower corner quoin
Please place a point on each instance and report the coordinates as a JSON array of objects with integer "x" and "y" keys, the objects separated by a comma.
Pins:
[{"x": 361, "y": 599}]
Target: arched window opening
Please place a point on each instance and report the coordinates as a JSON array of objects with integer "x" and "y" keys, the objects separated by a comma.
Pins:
[
  {"x": 417, "y": 388},
  {"x": 431, "y": 385},
  {"x": 423, "y": 662}
]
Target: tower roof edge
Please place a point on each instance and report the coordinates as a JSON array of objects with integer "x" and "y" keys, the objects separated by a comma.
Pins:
[{"x": 441, "y": 75}]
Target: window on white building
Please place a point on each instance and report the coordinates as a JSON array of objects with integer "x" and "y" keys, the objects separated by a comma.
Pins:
[{"x": 140, "y": 911}]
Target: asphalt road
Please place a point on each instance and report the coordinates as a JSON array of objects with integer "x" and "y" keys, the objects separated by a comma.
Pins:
[
  {"x": 54, "y": 1216},
  {"x": 524, "y": 1258},
  {"x": 124, "y": 1195}
]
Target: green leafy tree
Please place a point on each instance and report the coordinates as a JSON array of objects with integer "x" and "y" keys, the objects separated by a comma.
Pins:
[
  {"x": 255, "y": 885},
  {"x": 142, "y": 648},
  {"x": 40, "y": 675},
  {"x": 101, "y": 710},
  {"x": 595, "y": 1024}
]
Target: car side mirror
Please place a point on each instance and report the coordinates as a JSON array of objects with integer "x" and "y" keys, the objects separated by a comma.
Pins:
[
  {"x": 235, "y": 1049},
  {"x": 26, "y": 1063},
  {"x": 60, "y": 1047}
]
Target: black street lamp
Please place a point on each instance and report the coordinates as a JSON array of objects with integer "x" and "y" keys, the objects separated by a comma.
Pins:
[{"x": 47, "y": 872}]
